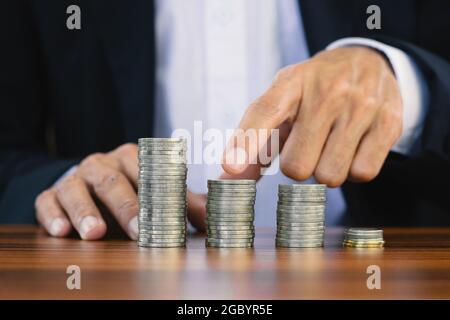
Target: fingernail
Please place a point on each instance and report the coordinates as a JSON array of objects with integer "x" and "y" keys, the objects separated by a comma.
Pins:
[
  {"x": 57, "y": 227},
  {"x": 133, "y": 229},
  {"x": 87, "y": 224}
]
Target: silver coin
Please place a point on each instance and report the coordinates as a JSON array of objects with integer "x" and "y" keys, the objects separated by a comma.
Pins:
[
  {"x": 230, "y": 216},
  {"x": 230, "y": 228},
  {"x": 232, "y": 195},
  {"x": 299, "y": 245},
  {"x": 179, "y": 185},
  {"x": 231, "y": 189},
  {"x": 151, "y": 217},
  {"x": 299, "y": 213},
  {"x": 159, "y": 213},
  {"x": 305, "y": 208},
  {"x": 158, "y": 194},
  {"x": 162, "y": 174},
  {"x": 248, "y": 237},
  {"x": 229, "y": 208},
  {"x": 363, "y": 230},
  {"x": 163, "y": 166},
  {"x": 148, "y": 199},
  {"x": 300, "y": 230},
  {"x": 292, "y": 225},
  {"x": 143, "y": 160},
  {"x": 228, "y": 223},
  {"x": 229, "y": 204},
  {"x": 180, "y": 153},
  {"x": 163, "y": 232},
  {"x": 162, "y": 208},
  {"x": 298, "y": 223},
  {"x": 229, "y": 246},
  {"x": 161, "y": 228},
  {"x": 162, "y": 190},
  {"x": 300, "y": 217},
  {"x": 162, "y": 223},
  {"x": 297, "y": 237},
  {"x": 166, "y": 197},
  {"x": 302, "y": 200},
  {"x": 174, "y": 161},
  {"x": 293, "y": 187},
  {"x": 161, "y": 245},
  {"x": 232, "y": 182},
  {"x": 151, "y": 150},
  {"x": 171, "y": 206},
  {"x": 229, "y": 212},
  {"x": 229, "y": 241},
  {"x": 230, "y": 232},
  {"x": 155, "y": 173},
  {"x": 213, "y": 220},
  {"x": 241, "y": 199},
  {"x": 159, "y": 236}
]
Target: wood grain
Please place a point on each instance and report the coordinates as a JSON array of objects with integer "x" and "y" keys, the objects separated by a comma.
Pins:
[{"x": 414, "y": 264}]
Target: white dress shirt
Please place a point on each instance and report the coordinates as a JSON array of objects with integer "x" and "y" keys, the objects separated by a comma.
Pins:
[{"x": 214, "y": 57}]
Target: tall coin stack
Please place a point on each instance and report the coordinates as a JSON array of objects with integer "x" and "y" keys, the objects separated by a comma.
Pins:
[
  {"x": 301, "y": 215},
  {"x": 162, "y": 192},
  {"x": 363, "y": 238},
  {"x": 230, "y": 213}
]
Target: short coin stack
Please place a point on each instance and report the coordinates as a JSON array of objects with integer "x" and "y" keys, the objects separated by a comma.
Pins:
[
  {"x": 230, "y": 213},
  {"x": 363, "y": 238},
  {"x": 162, "y": 192},
  {"x": 301, "y": 215}
]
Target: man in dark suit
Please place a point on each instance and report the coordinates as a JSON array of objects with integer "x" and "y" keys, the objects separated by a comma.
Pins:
[{"x": 71, "y": 98}]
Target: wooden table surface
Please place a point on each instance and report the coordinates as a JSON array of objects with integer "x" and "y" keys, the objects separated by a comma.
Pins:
[{"x": 414, "y": 264}]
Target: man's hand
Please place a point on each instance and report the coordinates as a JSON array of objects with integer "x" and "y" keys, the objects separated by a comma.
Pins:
[
  {"x": 341, "y": 112},
  {"x": 110, "y": 178}
]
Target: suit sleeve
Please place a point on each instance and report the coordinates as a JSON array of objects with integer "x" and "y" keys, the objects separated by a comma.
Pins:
[
  {"x": 26, "y": 165},
  {"x": 435, "y": 137}
]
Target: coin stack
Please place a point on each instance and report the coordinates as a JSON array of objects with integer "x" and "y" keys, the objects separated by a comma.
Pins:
[
  {"x": 162, "y": 192},
  {"x": 363, "y": 238},
  {"x": 301, "y": 215},
  {"x": 230, "y": 213}
]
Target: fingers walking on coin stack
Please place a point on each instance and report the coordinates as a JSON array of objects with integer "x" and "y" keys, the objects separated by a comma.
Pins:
[
  {"x": 301, "y": 215},
  {"x": 162, "y": 192},
  {"x": 230, "y": 213}
]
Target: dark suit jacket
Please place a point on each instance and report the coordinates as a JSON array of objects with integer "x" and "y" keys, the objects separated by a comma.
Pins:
[{"x": 65, "y": 94}]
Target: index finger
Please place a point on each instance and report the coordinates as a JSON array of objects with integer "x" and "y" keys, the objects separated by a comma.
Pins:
[{"x": 268, "y": 112}]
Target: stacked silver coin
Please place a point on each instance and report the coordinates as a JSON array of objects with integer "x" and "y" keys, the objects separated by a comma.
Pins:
[
  {"x": 363, "y": 238},
  {"x": 301, "y": 215},
  {"x": 162, "y": 192},
  {"x": 230, "y": 213}
]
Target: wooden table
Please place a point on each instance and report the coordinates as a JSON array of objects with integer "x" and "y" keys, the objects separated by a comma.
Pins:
[{"x": 415, "y": 264}]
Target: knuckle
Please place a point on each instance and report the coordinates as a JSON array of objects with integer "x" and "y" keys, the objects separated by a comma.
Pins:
[
  {"x": 295, "y": 170},
  {"x": 127, "y": 148},
  {"x": 364, "y": 172},
  {"x": 42, "y": 197},
  {"x": 369, "y": 103},
  {"x": 330, "y": 178},
  {"x": 267, "y": 108},
  {"x": 67, "y": 183},
  {"x": 391, "y": 122},
  {"x": 92, "y": 159},
  {"x": 107, "y": 179},
  {"x": 342, "y": 86},
  {"x": 288, "y": 72}
]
